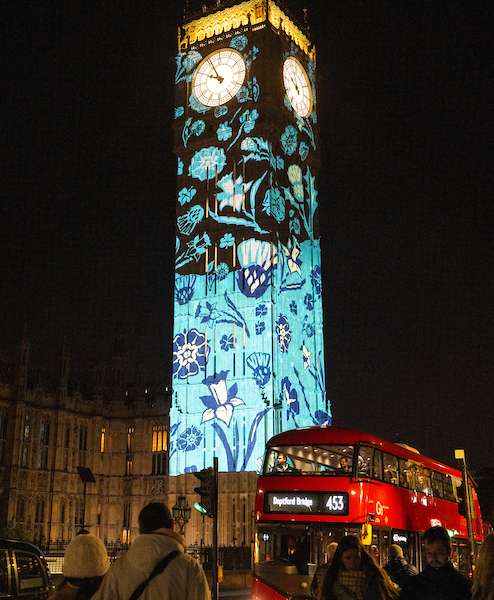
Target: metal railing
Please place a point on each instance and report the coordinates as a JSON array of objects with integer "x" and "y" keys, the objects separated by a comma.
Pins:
[{"x": 232, "y": 558}]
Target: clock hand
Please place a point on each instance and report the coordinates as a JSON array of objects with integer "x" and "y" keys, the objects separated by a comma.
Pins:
[
  {"x": 217, "y": 76},
  {"x": 296, "y": 86}
]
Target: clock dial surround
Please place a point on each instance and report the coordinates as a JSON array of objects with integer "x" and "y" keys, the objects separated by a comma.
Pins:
[
  {"x": 298, "y": 87},
  {"x": 218, "y": 77}
]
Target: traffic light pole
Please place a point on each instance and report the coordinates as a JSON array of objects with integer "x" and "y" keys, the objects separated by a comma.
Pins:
[
  {"x": 215, "y": 590},
  {"x": 460, "y": 455}
]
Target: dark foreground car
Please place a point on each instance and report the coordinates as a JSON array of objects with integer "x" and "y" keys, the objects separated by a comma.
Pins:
[{"x": 23, "y": 571}]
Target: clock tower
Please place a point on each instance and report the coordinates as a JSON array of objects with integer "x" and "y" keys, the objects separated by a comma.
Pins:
[{"x": 248, "y": 333}]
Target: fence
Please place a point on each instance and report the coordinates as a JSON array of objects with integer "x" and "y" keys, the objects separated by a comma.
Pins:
[{"x": 232, "y": 558}]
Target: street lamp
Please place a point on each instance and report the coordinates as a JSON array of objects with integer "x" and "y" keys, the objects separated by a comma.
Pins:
[
  {"x": 181, "y": 513},
  {"x": 86, "y": 476}
]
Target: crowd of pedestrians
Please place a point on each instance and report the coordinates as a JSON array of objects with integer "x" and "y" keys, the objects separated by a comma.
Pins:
[
  {"x": 156, "y": 566},
  {"x": 354, "y": 574}
]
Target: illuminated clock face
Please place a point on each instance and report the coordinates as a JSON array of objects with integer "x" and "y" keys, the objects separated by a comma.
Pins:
[
  {"x": 218, "y": 77},
  {"x": 297, "y": 86}
]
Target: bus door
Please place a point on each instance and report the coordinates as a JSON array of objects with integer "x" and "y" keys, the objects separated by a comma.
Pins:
[
  {"x": 460, "y": 555},
  {"x": 410, "y": 544},
  {"x": 379, "y": 548}
]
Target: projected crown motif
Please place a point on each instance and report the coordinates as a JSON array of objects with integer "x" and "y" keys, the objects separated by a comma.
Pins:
[{"x": 248, "y": 338}]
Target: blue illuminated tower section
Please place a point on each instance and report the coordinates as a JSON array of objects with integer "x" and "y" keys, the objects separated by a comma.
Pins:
[{"x": 248, "y": 356}]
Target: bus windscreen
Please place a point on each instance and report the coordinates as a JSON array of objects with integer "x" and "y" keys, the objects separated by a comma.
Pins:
[{"x": 333, "y": 460}]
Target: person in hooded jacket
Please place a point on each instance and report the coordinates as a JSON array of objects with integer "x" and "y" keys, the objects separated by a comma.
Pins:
[
  {"x": 439, "y": 580},
  {"x": 85, "y": 564},
  {"x": 182, "y": 578}
]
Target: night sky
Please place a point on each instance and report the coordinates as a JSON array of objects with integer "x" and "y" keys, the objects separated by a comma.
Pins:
[{"x": 88, "y": 197}]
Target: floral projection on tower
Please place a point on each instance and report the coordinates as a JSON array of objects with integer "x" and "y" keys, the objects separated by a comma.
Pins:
[{"x": 248, "y": 334}]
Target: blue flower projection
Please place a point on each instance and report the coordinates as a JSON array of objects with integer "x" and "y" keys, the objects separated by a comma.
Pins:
[
  {"x": 184, "y": 288},
  {"x": 224, "y": 131},
  {"x": 190, "y": 353},
  {"x": 185, "y": 195},
  {"x": 190, "y": 439},
  {"x": 256, "y": 259},
  {"x": 290, "y": 397},
  {"x": 227, "y": 342},
  {"x": 207, "y": 163},
  {"x": 289, "y": 140},
  {"x": 283, "y": 332},
  {"x": 239, "y": 42},
  {"x": 227, "y": 241},
  {"x": 259, "y": 363},
  {"x": 248, "y": 356}
]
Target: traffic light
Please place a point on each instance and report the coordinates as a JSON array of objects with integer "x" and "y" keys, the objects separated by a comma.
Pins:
[{"x": 207, "y": 492}]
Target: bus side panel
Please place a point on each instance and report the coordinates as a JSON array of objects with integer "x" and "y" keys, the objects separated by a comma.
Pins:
[{"x": 261, "y": 591}]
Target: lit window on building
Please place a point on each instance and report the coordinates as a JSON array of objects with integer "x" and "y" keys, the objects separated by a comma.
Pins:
[
  {"x": 129, "y": 456},
  {"x": 126, "y": 524},
  {"x": 159, "y": 448},
  {"x": 102, "y": 439}
]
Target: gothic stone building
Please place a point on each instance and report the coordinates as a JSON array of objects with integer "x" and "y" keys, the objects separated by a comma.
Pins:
[
  {"x": 120, "y": 431},
  {"x": 46, "y": 432}
]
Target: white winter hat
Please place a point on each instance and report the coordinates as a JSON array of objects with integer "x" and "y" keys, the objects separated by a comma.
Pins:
[{"x": 85, "y": 557}]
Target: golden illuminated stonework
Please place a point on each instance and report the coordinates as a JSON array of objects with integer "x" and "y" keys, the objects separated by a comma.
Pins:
[{"x": 251, "y": 12}]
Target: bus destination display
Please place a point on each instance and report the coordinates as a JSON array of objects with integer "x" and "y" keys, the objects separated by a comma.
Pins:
[{"x": 316, "y": 503}]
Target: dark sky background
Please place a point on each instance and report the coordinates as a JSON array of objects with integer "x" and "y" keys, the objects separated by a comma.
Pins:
[{"x": 405, "y": 105}]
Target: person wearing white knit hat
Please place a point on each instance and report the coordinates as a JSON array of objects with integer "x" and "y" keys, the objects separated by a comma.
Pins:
[{"x": 85, "y": 564}]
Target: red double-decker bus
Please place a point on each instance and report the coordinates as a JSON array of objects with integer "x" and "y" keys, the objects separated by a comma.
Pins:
[{"x": 321, "y": 483}]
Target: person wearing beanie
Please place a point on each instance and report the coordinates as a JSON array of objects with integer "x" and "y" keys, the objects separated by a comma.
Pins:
[
  {"x": 85, "y": 564},
  {"x": 156, "y": 565},
  {"x": 398, "y": 568}
]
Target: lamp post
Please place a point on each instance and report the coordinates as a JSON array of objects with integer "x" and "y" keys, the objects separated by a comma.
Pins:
[
  {"x": 181, "y": 513},
  {"x": 86, "y": 476}
]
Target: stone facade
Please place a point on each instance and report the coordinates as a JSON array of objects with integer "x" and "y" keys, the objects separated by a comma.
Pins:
[
  {"x": 48, "y": 433},
  {"x": 119, "y": 431}
]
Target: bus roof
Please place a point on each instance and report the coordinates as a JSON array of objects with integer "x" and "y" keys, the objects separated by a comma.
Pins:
[{"x": 343, "y": 435}]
